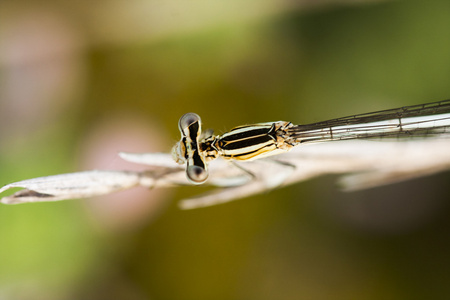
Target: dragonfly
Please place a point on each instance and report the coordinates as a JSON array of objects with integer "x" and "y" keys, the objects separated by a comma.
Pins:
[{"x": 255, "y": 141}]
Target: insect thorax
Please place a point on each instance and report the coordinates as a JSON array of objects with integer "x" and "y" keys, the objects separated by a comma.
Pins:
[
  {"x": 207, "y": 148},
  {"x": 248, "y": 142}
]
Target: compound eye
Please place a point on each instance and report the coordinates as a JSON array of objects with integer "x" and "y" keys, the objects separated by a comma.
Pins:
[
  {"x": 187, "y": 120},
  {"x": 196, "y": 174}
]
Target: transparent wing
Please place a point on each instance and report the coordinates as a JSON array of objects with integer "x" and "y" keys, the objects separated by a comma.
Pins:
[{"x": 409, "y": 121}]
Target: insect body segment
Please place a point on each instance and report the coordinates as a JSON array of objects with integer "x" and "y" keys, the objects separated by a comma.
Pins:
[
  {"x": 252, "y": 141},
  {"x": 246, "y": 142}
]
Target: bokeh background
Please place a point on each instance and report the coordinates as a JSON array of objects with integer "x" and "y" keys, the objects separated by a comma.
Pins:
[{"x": 83, "y": 80}]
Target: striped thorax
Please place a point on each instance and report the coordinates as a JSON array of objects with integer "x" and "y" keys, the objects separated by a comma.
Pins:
[{"x": 255, "y": 141}]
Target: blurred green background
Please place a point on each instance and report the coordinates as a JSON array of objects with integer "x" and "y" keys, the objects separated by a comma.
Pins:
[{"x": 80, "y": 81}]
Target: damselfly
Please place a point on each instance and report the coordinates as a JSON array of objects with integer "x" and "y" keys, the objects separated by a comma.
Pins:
[
  {"x": 365, "y": 164},
  {"x": 196, "y": 148}
]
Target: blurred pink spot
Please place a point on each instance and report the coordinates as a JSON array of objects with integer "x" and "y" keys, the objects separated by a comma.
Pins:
[{"x": 132, "y": 208}]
